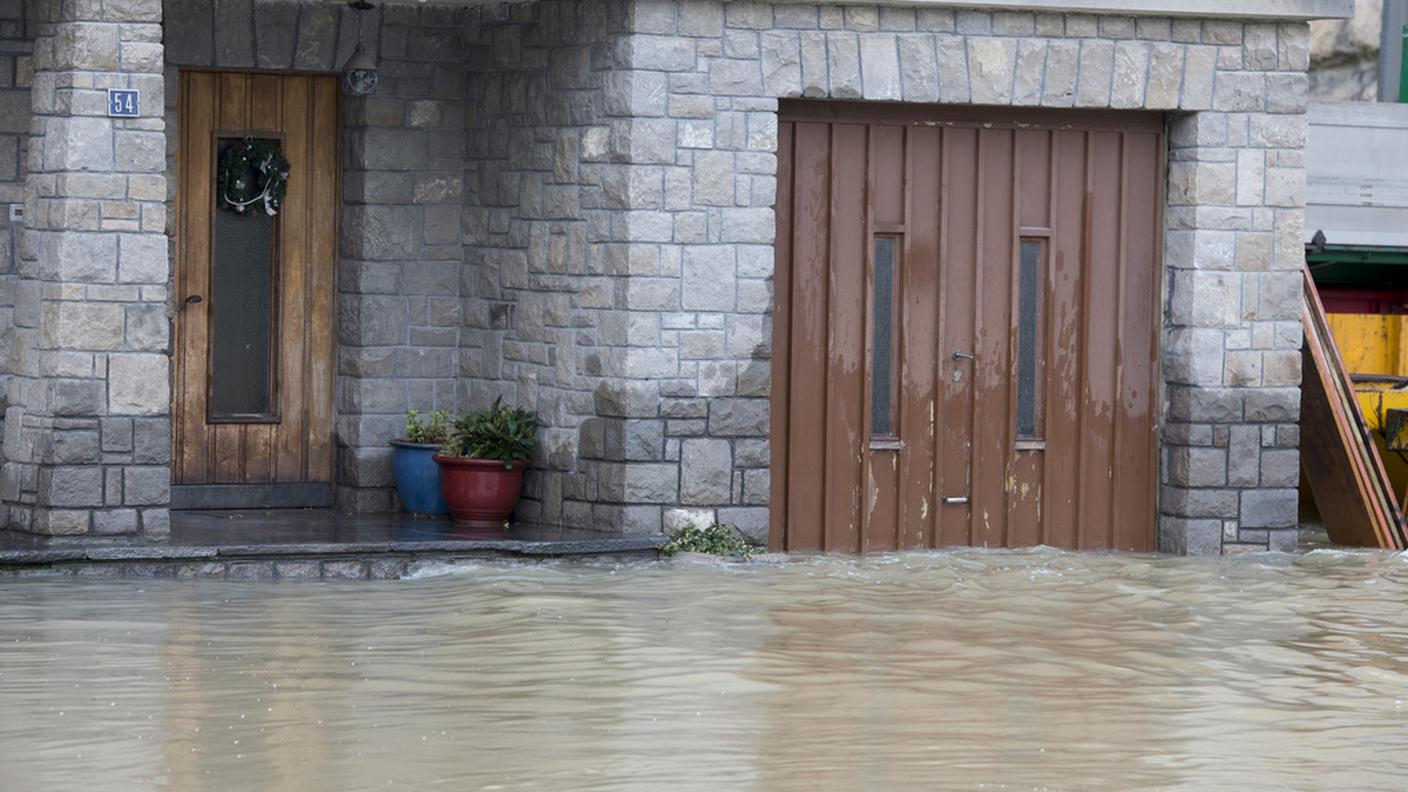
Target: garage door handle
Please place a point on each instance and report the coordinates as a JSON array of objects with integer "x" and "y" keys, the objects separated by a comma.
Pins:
[{"x": 956, "y": 501}]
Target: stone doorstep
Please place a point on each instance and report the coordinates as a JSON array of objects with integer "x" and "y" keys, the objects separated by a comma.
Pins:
[{"x": 369, "y": 560}]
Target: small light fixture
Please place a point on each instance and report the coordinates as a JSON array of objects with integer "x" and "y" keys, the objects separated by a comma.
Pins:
[{"x": 359, "y": 74}]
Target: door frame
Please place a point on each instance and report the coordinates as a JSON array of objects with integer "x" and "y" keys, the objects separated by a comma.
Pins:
[
  {"x": 916, "y": 114},
  {"x": 274, "y": 495}
]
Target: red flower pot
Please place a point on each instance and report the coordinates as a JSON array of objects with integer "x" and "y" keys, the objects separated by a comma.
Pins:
[{"x": 480, "y": 491}]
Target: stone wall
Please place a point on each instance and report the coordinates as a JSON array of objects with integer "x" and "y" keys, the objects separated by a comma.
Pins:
[
  {"x": 16, "y": 44},
  {"x": 88, "y": 409},
  {"x": 545, "y": 268},
  {"x": 400, "y": 248},
  {"x": 399, "y": 313},
  {"x": 705, "y": 79}
]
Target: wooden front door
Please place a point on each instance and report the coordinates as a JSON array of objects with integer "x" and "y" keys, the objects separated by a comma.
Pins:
[
  {"x": 965, "y": 332},
  {"x": 254, "y": 331}
]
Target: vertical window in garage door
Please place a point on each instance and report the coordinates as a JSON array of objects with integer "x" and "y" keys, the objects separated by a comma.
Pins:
[
  {"x": 882, "y": 333},
  {"x": 1031, "y": 340}
]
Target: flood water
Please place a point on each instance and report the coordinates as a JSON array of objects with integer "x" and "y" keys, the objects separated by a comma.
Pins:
[{"x": 1012, "y": 670}]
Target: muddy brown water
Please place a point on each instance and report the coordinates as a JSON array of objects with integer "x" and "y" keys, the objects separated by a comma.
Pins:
[{"x": 968, "y": 670}]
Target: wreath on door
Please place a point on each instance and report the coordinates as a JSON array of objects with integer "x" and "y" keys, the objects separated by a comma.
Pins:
[{"x": 253, "y": 173}]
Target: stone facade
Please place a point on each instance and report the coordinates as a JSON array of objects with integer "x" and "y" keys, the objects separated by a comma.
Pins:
[
  {"x": 547, "y": 260},
  {"x": 570, "y": 204},
  {"x": 701, "y": 95},
  {"x": 87, "y": 426},
  {"x": 16, "y": 69}
]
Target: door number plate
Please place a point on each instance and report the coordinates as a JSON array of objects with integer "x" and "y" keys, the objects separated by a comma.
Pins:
[{"x": 124, "y": 103}]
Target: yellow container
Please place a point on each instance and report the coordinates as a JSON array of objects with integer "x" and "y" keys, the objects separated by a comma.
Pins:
[{"x": 1374, "y": 348}]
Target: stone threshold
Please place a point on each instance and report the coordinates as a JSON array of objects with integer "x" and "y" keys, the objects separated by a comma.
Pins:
[{"x": 307, "y": 545}]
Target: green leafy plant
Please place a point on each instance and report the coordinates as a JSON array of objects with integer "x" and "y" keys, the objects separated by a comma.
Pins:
[
  {"x": 507, "y": 434},
  {"x": 433, "y": 430},
  {"x": 717, "y": 539}
]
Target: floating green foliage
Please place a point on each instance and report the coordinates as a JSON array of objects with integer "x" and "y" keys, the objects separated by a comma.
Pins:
[
  {"x": 507, "y": 434},
  {"x": 432, "y": 430},
  {"x": 717, "y": 539}
]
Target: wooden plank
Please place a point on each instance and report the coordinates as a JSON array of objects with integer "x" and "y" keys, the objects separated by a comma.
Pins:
[
  {"x": 191, "y": 438},
  {"x": 806, "y": 512},
  {"x": 296, "y": 230},
  {"x": 845, "y": 382},
  {"x": 320, "y": 382},
  {"x": 228, "y": 448},
  {"x": 780, "y": 395},
  {"x": 265, "y": 117},
  {"x": 1340, "y": 461}
]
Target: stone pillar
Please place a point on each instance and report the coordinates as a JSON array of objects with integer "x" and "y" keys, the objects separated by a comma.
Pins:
[
  {"x": 87, "y": 436},
  {"x": 1232, "y": 361}
]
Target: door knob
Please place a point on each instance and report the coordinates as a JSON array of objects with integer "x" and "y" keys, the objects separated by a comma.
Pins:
[
  {"x": 959, "y": 501},
  {"x": 194, "y": 298},
  {"x": 959, "y": 354}
]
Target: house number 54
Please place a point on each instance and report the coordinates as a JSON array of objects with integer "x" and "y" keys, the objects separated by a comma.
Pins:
[{"x": 124, "y": 103}]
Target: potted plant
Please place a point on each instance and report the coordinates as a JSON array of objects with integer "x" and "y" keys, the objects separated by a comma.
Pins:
[
  {"x": 413, "y": 462},
  {"x": 482, "y": 463}
]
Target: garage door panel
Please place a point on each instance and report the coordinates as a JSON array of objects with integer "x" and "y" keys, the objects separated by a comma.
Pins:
[
  {"x": 992, "y": 372},
  {"x": 1102, "y": 308},
  {"x": 1141, "y": 287},
  {"x": 918, "y": 342},
  {"x": 780, "y": 393},
  {"x": 1034, "y": 198},
  {"x": 885, "y": 246},
  {"x": 957, "y": 300},
  {"x": 806, "y": 412},
  {"x": 845, "y": 381},
  {"x": 1063, "y": 321}
]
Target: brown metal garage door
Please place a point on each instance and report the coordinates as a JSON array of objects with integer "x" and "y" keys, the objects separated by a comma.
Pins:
[{"x": 964, "y": 340}]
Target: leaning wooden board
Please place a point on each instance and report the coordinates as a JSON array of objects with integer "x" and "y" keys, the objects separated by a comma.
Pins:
[{"x": 1338, "y": 457}]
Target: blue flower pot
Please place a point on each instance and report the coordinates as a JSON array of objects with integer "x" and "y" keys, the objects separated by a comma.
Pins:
[{"x": 417, "y": 477}]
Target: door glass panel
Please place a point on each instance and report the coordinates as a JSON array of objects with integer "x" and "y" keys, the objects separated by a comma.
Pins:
[
  {"x": 882, "y": 328},
  {"x": 242, "y": 315},
  {"x": 1030, "y": 341}
]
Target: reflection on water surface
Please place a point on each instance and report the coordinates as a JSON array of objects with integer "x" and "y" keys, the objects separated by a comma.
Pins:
[{"x": 914, "y": 671}]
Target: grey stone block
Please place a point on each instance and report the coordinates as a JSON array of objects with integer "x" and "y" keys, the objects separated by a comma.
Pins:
[
  {"x": 738, "y": 417},
  {"x": 189, "y": 31},
  {"x": 1269, "y": 508},
  {"x": 751, "y": 522},
  {"x": 276, "y": 26},
  {"x": 651, "y": 483},
  {"x": 705, "y": 471},
  {"x": 234, "y": 39},
  {"x": 1190, "y": 537},
  {"x": 115, "y": 522},
  {"x": 317, "y": 38},
  {"x": 147, "y": 486},
  {"x": 71, "y": 486},
  {"x": 347, "y": 570}
]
